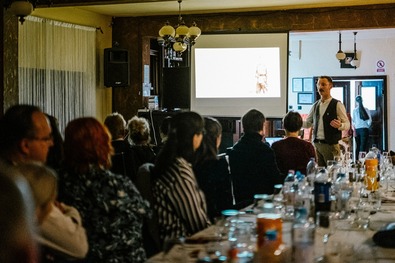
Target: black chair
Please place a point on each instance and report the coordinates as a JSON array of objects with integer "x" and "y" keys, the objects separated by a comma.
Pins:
[{"x": 151, "y": 240}]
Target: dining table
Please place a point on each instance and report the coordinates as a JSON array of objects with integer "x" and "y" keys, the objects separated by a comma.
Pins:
[{"x": 352, "y": 243}]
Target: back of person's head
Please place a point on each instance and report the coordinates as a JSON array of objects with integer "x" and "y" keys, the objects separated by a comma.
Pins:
[
  {"x": 139, "y": 131},
  {"x": 116, "y": 124},
  {"x": 253, "y": 121},
  {"x": 358, "y": 99},
  {"x": 43, "y": 183},
  {"x": 183, "y": 127},
  {"x": 16, "y": 124},
  {"x": 213, "y": 133},
  {"x": 55, "y": 153},
  {"x": 87, "y": 143},
  {"x": 292, "y": 121},
  {"x": 164, "y": 128},
  {"x": 17, "y": 244}
]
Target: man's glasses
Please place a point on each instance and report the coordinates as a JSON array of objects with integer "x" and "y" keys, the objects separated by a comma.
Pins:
[{"x": 48, "y": 138}]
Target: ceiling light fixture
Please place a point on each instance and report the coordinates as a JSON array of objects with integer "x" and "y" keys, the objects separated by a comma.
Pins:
[
  {"x": 180, "y": 36},
  {"x": 21, "y": 9},
  {"x": 340, "y": 55},
  {"x": 355, "y": 62}
]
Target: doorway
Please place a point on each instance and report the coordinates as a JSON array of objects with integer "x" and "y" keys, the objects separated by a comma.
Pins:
[{"x": 373, "y": 91}]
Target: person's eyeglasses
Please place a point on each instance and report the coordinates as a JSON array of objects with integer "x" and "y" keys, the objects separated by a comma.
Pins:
[{"x": 48, "y": 138}]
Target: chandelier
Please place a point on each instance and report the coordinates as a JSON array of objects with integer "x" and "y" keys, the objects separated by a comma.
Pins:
[{"x": 180, "y": 36}]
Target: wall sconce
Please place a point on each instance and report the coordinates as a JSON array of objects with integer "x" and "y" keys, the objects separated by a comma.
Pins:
[
  {"x": 355, "y": 62},
  {"x": 340, "y": 55},
  {"x": 21, "y": 9}
]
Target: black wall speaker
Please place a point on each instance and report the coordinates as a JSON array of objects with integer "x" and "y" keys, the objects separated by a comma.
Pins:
[
  {"x": 176, "y": 92},
  {"x": 116, "y": 67}
]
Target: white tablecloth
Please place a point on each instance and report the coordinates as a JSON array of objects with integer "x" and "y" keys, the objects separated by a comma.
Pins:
[{"x": 346, "y": 235}]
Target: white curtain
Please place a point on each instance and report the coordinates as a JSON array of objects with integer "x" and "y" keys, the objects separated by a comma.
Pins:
[{"x": 57, "y": 66}]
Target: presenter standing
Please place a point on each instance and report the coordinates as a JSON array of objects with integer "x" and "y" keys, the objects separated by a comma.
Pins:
[{"x": 328, "y": 117}]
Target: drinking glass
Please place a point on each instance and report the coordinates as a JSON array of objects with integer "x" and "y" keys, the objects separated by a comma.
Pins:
[
  {"x": 348, "y": 158},
  {"x": 375, "y": 200},
  {"x": 329, "y": 164},
  {"x": 362, "y": 215},
  {"x": 244, "y": 240},
  {"x": 362, "y": 157},
  {"x": 338, "y": 160},
  {"x": 221, "y": 227}
]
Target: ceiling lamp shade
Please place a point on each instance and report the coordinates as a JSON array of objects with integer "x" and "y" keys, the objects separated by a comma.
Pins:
[
  {"x": 355, "y": 62},
  {"x": 194, "y": 33},
  {"x": 167, "y": 31},
  {"x": 181, "y": 36},
  {"x": 340, "y": 55},
  {"x": 21, "y": 9},
  {"x": 180, "y": 46}
]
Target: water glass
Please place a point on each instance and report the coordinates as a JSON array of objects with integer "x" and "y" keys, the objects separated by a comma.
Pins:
[
  {"x": 343, "y": 203},
  {"x": 375, "y": 200},
  {"x": 243, "y": 238},
  {"x": 221, "y": 225},
  {"x": 362, "y": 215}
]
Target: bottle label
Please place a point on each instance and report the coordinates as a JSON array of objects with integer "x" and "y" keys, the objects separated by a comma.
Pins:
[{"x": 322, "y": 192}]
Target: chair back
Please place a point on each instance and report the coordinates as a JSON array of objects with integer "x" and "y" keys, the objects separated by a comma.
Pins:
[{"x": 144, "y": 183}]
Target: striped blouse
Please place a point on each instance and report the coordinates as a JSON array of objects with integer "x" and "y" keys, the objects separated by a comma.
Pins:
[{"x": 179, "y": 202}]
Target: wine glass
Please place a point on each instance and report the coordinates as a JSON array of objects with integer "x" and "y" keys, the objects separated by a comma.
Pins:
[
  {"x": 325, "y": 227},
  {"x": 362, "y": 157}
]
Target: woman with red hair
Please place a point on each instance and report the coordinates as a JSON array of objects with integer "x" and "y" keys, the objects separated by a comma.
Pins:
[{"x": 110, "y": 205}]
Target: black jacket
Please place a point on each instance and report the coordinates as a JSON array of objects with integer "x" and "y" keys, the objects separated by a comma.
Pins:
[{"x": 253, "y": 168}]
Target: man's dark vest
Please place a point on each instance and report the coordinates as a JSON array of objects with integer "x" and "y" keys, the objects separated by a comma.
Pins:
[{"x": 332, "y": 135}]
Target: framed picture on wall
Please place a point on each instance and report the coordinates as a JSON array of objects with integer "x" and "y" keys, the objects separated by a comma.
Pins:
[
  {"x": 297, "y": 84},
  {"x": 305, "y": 98},
  {"x": 308, "y": 85}
]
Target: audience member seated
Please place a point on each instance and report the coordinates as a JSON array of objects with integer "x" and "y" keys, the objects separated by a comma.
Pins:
[
  {"x": 211, "y": 172},
  {"x": 139, "y": 137},
  {"x": 54, "y": 218},
  {"x": 43, "y": 184},
  {"x": 179, "y": 202},
  {"x": 17, "y": 229},
  {"x": 252, "y": 162},
  {"x": 26, "y": 136},
  {"x": 163, "y": 132},
  {"x": 122, "y": 162},
  {"x": 293, "y": 153},
  {"x": 111, "y": 207}
]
